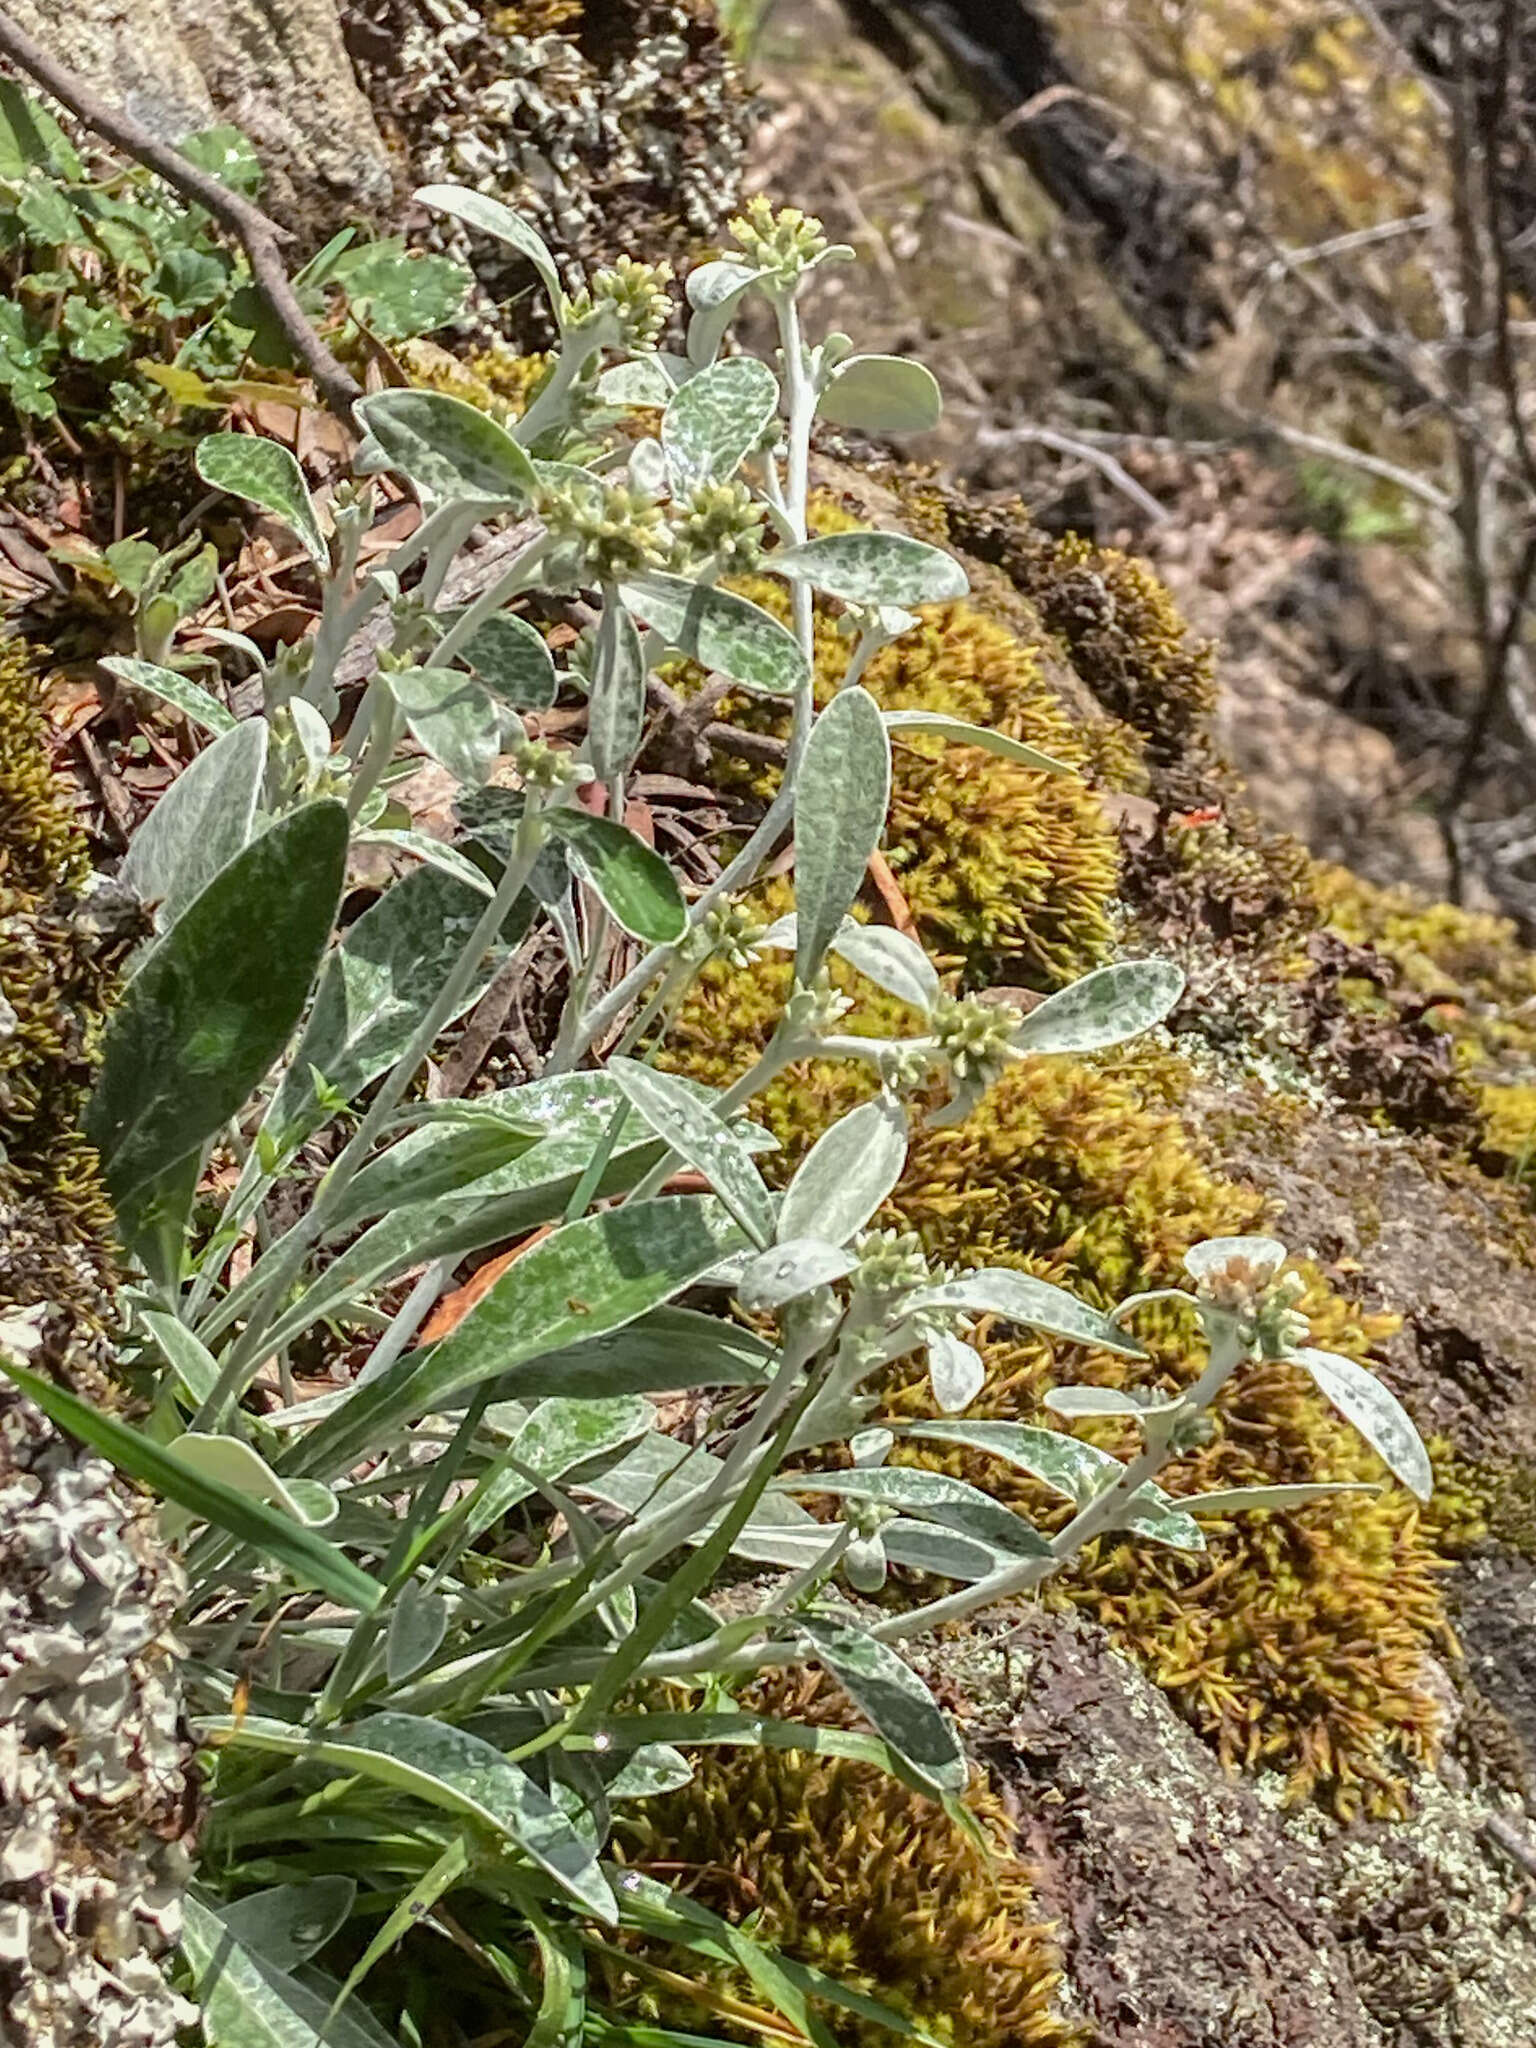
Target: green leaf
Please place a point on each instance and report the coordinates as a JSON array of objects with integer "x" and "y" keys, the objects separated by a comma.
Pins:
[
  {"x": 227, "y": 155},
  {"x": 654, "y": 1768},
  {"x": 1375, "y": 1411},
  {"x": 397, "y": 293},
  {"x": 785, "y": 1271},
  {"x": 185, "y": 696},
  {"x": 188, "y": 1357},
  {"x": 725, "y": 633},
  {"x": 559, "y": 1436},
  {"x": 659, "y": 1475},
  {"x": 637, "y": 887},
  {"x": 188, "y": 280},
  {"x": 846, "y": 1175},
  {"x": 892, "y": 1697},
  {"x": 510, "y": 658},
  {"x": 416, "y": 1630},
  {"x": 200, "y": 824},
  {"x": 1264, "y": 1256},
  {"x": 31, "y": 139},
  {"x": 670, "y": 1350},
  {"x": 528, "y": 1190},
  {"x": 374, "y": 991},
  {"x": 435, "y": 853},
  {"x": 964, "y": 734},
  {"x": 925, "y": 1547},
  {"x": 454, "y": 1771},
  {"x": 1083, "y": 1401},
  {"x": 448, "y": 449},
  {"x": 840, "y": 805},
  {"x": 47, "y": 216},
  {"x": 217, "y": 999},
  {"x": 873, "y": 568},
  {"x": 267, "y": 474},
  {"x": 452, "y": 716},
  {"x": 289, "y": 1923},
  {"x": 426, "y": 1164},
  {"x": 1075, "y": 1469},
  {"x": 231, "y": 1462},
  {"x": 94, "y": 334},
  {"x": 716, "y": 419},
  {"x": 152, "y": 1221},
  {"x": 932, "y": 1496},
  {"x": 882, "y": 395},
  {"x": 957, "y": 1372},
  {"x": 131, "y": 562},
  {"x": 616, "y": 700},
  {"x": 560, "y": 2019},
  {"x": 698, "y": 1134},
  {"x": 715, "y": 290},
  {"x": 887, "y": 957},
  {"x": 642, "y": 381},
  {"x": 1234, "y": 1500},
  {"x": 490, "y": 217},
  {"x": 248, "y": 2002},
  {"x": 1035, "y": 1304},
  {"x": 891, "y": 960},
  {"x": 1103, "y": 1008},
  {"x": 585, "y": 1279},
  {"x": 308, "y": 1557}
]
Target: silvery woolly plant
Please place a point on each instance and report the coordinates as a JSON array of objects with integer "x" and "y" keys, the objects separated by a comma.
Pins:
[{"x": 403, "y": 1707}]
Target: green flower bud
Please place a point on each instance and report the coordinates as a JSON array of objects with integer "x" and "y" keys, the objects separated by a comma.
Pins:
[
  {"x": 546, "y": 767},
  {"x": 730, "y": 933}
]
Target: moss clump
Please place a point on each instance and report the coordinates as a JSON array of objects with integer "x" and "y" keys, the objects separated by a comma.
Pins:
[
  {"x": 1116, "y": 621},
  {"x": 1471, "y": 961},
  {"x": 1468, "y": 970},
  {"x": 496, "y": 380},
  {"x": 845, "y": 1869},
  {"x": 54, "y": 966}
]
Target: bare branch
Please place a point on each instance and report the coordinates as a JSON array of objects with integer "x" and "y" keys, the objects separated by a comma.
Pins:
[{"x": 994, "y": 438}]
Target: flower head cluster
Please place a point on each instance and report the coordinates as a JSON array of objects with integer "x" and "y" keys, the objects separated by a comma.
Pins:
[
  {"x": 780, "y": 242},
  {"x": 974, "y": 1038},
  {"x": 730, "y": 933},
  {"x": 545, "y": 767},
  {"x": 613, "y": 530},
  {"x": 636, "y": 293},
  {"x": 814, "y": 1009},
  {"x": 890, "y": 1262},
  {"x": 1240, "y": 1278},
  {"x": 717, "y": 523}
]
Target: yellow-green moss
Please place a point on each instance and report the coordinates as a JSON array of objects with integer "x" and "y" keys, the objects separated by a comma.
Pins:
[
  {"x": 55, "y": 1226},
  {"x": 497, "y": 380},
  {"x": 1117, "y": 623},
  {"x": 1485, "y": 983},
  {"x": 847, "y": 1870},
  {"x": 1439, "y": 948}
]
